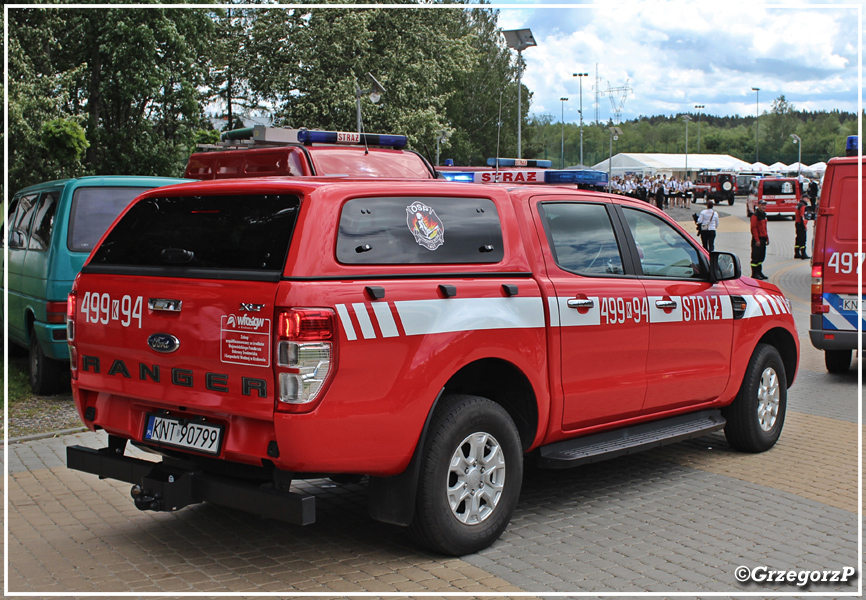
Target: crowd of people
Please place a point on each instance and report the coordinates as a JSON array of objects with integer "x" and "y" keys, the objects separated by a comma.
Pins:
[{"x": 661, "y": 190}]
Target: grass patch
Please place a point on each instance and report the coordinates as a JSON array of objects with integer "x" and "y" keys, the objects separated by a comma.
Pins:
[{"x": 19, "y": 381}]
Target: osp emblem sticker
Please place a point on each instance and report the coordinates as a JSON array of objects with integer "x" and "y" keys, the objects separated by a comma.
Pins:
[{"x": 425, "y": 225}]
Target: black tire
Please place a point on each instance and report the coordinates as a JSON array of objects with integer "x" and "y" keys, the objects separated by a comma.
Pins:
[
  {"x": 47, "y": 376},
  {"x": 837, "y": 361},
  {"x": 467, "y": 527},
  {"x": 756, "y": 416}
]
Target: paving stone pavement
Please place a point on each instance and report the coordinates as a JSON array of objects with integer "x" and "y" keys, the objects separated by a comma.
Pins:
[{"x": 676, "y": 519}]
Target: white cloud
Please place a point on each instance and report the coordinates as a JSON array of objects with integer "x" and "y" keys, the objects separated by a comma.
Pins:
[{"x": 677, "y": 54}]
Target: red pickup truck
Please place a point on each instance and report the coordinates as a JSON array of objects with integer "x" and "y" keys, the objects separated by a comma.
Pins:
[{"x": 428, "y": 335}]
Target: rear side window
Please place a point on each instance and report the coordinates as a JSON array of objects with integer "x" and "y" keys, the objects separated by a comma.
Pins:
[
  {"x": 778, "y": 188},
  {"x": 419, "y": 230},
  {"x": 210, "y": 236},
  {"x": 93, "y": 210},
  {"x": 20, "y": 230}
]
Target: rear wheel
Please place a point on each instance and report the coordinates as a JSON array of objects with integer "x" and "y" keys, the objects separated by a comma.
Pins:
[
  {"x": 470, "y": 477},
  {"x": 47, "y": 376},
  {"x": 756, "y": 416},
  {"x": 837, "y": 361}
]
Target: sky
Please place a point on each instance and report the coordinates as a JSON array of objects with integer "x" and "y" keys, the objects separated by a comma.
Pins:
[{"x": 675, "y": 55}]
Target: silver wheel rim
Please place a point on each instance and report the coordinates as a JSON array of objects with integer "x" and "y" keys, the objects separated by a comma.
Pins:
[
  {"x": 476, "y": 478},
  {"x": 768, "y": 399}
]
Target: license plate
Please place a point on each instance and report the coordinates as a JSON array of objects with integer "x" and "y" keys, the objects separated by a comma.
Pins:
[
  {"x": 183, "y": 433},
  {"x": 851, "y": 305}
]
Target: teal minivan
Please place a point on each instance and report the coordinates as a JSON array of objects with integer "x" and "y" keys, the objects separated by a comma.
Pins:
[{"x": 49, "y": 231}]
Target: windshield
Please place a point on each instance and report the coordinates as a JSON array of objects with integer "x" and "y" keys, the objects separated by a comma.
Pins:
[{"x": 330, "y": 161}]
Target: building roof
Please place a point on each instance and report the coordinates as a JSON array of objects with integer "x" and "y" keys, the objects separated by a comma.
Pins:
[{"x": 626, "y": 162}]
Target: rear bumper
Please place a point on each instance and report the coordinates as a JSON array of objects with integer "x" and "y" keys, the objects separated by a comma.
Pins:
[
  {"x": 840, "y": 340},
  {"x": 173, "y": 484},
  {"x": 52, "y": 340}
]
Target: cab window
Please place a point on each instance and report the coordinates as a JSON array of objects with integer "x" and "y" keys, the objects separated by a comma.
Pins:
[
  {"x": 662, "y": 250},
  {"x": 582, "y": 239},
  {"x": 43, "y": 224},
  {"x": 20, "y": 228},
  {"x": 10, "y": 219}
]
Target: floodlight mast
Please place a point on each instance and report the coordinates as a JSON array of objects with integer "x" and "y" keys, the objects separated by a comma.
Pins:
[
  {"x": 520, "y": 40},
  {"x": 375, "y": 93}
]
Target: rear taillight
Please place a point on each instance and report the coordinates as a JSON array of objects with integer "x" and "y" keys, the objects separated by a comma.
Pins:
[
  {"x": 56, "y": 312},
  {"x": 306, "y": 356},
  {"x": 818, "y": 305},
  {"x": 71, "y": 307}
]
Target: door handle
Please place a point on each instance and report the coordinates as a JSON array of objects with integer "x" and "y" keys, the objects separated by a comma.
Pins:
[
  {"x": 580, "y": 303},
  {"x": 666, "y": 304}
]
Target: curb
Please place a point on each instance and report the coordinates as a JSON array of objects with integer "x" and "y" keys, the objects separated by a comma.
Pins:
[{"x": 41, "y": 436}]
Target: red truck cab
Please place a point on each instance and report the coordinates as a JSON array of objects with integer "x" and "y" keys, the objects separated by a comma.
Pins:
[
  {"x": 267, "y": 151},
  {"x": 426, "y": 334}
]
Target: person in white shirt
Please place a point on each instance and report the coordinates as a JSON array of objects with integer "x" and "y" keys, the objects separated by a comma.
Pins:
[{"x": 708, "y": 222}]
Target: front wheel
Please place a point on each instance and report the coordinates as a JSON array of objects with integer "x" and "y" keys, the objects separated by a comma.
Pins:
[
  {"x": 470, "y": 477},
  {"x": 837, "y": 361},
  {"x": 755, "y": 417}
]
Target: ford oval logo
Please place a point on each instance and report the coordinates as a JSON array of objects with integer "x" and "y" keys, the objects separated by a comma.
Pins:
[{"x": 163, "y": 342}]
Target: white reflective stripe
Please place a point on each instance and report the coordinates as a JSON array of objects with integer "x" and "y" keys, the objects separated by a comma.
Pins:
[
  {"x": 386, "y": 320},
  {"x": 836, "y": 318},
  {"x": 571, "y": 317},
  {"x": 765, "y": 304},
  {"x": 659, "y": 315},
  {"x": 346, "y": 320},
  {"x": 553, "y": 305},
  {"x": 774, "y": 301},
  {"x": 364, "y": 321},
  {"x": 753, "y": 308},
  {"x": 421, "y": 317}
]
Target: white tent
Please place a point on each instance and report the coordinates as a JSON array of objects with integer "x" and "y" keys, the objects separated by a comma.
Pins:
[
  {"x": 797, "y": 167},
  {"x": 759, "y": 166},
  {"x": 818, "y": 167},
  {"x": 778, "y": 166},
  {"x": 672, "y": 165}
]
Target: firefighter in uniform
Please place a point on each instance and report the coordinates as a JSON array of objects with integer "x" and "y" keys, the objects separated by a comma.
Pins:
[
  {"x": 760, "y": 240},
  {"x": 800, "y": 228}
]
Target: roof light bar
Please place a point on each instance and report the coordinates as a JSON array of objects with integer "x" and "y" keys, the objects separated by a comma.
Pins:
[
  {"x": 519, "y": 162},
  {"x": 585, "y": 177},
  {"x": 306, "y": 136}
]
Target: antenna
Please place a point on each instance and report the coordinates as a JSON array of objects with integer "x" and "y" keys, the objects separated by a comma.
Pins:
[
  {"x": 375, "y": 94},
  {"x": 498, "y": 132}
]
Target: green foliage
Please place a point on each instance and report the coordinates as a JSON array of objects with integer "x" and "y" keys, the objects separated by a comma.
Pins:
[
  {"x": 64, "y": 140},
  {"x": 823, "y": 135}
]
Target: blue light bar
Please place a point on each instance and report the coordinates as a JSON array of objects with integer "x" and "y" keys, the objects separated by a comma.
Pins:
[
  {"x": 305, "y": 136},
  {"x": 467, "y": 176},
  {"x": 852, "y": 146},
  {"x": 519, "y": 162},
  {"x": 584, "y": 177}
]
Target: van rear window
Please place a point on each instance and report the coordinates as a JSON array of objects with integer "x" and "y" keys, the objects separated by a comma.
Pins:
[
  {"x": 215, "y": 236},
  {"x": 93, "y": 210}
]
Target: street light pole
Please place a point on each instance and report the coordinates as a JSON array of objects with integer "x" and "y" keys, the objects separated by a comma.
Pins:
[
  {"x": 699, "y": 107},
  {"x": 615, "y": 132},
  {"x": 799, "y": 143},
  {"x": 687, "y": 118},
  {"x": 562, "y": 147},
  {"x": 757, "y": 114},
  {"x": 520, "y": 40},
  {"x": 580, "y": 77}
]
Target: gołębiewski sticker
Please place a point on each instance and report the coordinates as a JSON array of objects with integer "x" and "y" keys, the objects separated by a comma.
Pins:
[{"x": 425, "y": 225}]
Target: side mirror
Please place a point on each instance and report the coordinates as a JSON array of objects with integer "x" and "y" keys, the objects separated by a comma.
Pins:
[{"x": 724, "y": 266}]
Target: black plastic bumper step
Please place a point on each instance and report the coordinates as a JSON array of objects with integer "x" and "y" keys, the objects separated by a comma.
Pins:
[{"x": 610, "y": 444}]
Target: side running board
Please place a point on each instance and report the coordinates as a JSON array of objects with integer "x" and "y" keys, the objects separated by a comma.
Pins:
[{"x": 610, "y": 444}]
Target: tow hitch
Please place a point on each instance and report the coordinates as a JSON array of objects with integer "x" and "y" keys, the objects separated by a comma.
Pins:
[{"x": 172, "y": 484}]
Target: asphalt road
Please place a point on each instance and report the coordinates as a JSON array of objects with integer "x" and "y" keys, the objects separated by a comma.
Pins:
[{"x": 683, "y": 518}]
